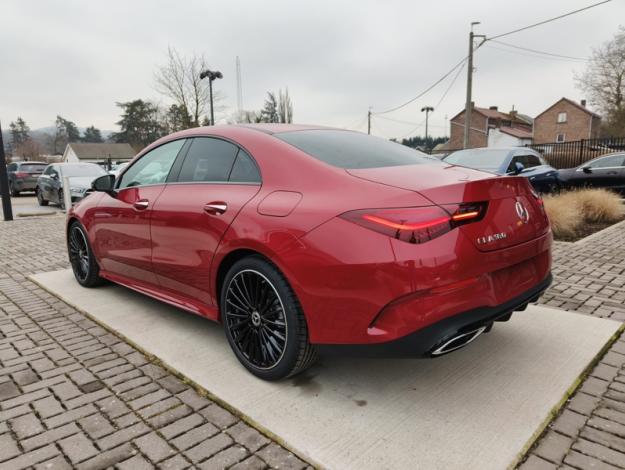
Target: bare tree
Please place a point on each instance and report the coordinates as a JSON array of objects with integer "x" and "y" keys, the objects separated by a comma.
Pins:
[
  {"x": 179, "y": 80},
  {"x": 604, "y": 80},
  {"x": 285, "y": 107}
]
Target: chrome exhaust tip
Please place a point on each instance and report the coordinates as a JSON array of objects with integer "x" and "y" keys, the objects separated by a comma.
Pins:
[{"x": 458, "y": 341}]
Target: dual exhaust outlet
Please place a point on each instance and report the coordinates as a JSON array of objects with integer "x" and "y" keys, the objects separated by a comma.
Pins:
[{"x": 460, "y": 340}]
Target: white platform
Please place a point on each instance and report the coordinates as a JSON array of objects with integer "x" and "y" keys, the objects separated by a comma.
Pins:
[{"x": 474, "y": 409}]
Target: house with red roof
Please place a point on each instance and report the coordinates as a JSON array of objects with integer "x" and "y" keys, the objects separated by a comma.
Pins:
[{"x": 566, "y": 121}]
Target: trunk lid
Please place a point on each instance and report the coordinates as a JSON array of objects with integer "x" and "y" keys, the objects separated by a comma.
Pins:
[{"x": 514, "y": 215}]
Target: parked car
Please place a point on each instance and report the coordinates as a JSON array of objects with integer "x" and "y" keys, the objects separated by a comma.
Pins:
[
  {"x": 300, "y": 239},
  {"x": 50, "y": 184},
  {"x": 23, "y": 176},
  {"x": 509, "y": 161},
  {"x": 117, "y": 169},
  {"x": 607, "y": 172}
]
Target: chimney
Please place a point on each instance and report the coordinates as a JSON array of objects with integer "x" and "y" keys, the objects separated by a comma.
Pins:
[
  {"x": 493, "y": 108},
  {"x": 513, "y": 113},
  {"x": 583, "y": 103}
]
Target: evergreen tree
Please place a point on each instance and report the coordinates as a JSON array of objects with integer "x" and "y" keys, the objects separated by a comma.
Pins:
[
  {"x": 19, "y": 132},
  {"x": 92, "y": 134},
  {"x": 139, "y": 124},
  {"x": 66, "y": 132},
  {"x": 269, "y": 112}
]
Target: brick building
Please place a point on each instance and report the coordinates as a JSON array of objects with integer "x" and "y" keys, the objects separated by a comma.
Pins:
[
  {"x": 565, "y": 121},
  {"x": 483, "y": 120}
]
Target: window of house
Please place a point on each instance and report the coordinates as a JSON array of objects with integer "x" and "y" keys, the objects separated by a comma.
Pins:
[
  {"x": 560, "y": 138},
  {"x": 561, "y": 118}
]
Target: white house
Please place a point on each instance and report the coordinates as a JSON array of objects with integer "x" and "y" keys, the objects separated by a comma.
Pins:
[
  {"x": 97, "y": 153},
  {"x": 509, "y": 137}
]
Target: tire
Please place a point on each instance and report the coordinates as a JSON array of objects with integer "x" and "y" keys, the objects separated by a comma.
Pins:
[
  {"x": 83, "y": 262},
  {"x": 40, "y": 199},
  {"x": 61, "y": 199},
  {"x": 264, "y": 321},
  {"x": 12, "y": 190}
]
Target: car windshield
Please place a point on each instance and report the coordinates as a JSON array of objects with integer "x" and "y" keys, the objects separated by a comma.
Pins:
[
  {"x": 352, "y": 150},
  {"x": 32, "y": 167},
  {"x": 82, "y": 170},
  {"x": 480, "y": 159}
]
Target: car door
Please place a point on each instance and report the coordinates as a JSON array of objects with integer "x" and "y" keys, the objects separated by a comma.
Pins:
[
  {"x": 216, "y": 179},
  {"x": 121, "y": 228},
  {"x": 49, "y": 178},
  {"x": 604, "y": 172}
]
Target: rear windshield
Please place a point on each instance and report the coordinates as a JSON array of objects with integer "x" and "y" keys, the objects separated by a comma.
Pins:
[
  {"x": 352, "y": 150},
  {"x": 479, "y": 159},
  {"x": 33, "y": 167}
]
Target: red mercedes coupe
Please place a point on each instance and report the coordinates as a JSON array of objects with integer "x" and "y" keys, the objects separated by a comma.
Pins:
[{"x": 302, "y": 240}]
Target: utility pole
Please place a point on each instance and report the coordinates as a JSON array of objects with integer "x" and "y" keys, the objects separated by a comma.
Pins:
[
  {"x": 467, "y": 107},
  {"x": 428, "y": 110},
  {"x": 369, "y": 121},
  {"x": 7, "y": 210}
]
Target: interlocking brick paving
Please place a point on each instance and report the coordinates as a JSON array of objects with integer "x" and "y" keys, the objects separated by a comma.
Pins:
[{"x": 73, "y": 395}]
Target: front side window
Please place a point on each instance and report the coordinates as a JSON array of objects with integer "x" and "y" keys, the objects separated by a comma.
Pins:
[
  {"x": 561, "y": 118},
  {"x": 49, "y": 170},
  {"x": 608, "y": 162},
  {"x": 208, "y": 160},
  {"x": 528, "y": 161},
  {"x": 153, "y": 167}
]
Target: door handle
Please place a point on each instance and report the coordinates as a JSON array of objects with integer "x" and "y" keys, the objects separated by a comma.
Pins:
[
  {"x": 215, "y": 208},
  {"x": 141, "y": 204}
]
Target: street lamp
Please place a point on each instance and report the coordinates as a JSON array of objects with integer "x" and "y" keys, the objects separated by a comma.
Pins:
[
  {"x": 211, "y": 76},
  {"x": 428, "y": 110}
]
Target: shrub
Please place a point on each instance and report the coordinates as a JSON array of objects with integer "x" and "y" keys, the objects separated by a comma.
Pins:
[
  {"x": 600, "y": 205},
  {"x": 569, "y": 211},
  {"x": 564, "y": 214}
]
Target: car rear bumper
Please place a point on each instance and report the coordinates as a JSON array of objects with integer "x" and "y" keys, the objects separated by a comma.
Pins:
[
  {"x": 22, "y": 185},
  {"x": 424, "y": 342}
]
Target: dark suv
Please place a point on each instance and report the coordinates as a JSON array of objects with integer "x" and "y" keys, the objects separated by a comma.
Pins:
[{"x": 23, "y": 176}]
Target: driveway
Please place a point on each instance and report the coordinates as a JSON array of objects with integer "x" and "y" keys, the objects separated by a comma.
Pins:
[{"x": 26, "y": 205}]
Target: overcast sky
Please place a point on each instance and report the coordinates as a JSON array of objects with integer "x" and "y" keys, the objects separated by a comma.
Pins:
[{"x": 77, "y": 58}]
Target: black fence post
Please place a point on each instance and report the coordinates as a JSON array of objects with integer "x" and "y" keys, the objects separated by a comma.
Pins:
[{"x": 7, "y": 210}]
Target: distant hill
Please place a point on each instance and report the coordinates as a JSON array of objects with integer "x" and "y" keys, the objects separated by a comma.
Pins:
[{"x": 44, "y": 135}]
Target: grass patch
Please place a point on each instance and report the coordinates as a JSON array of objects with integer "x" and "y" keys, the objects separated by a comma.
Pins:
[{"x": 576, "y": 214}]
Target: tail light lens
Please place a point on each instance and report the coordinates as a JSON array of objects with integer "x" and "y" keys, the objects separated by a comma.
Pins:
[
  {"x": 417, "y": 224},
  {"x": 21, "y": 174}
]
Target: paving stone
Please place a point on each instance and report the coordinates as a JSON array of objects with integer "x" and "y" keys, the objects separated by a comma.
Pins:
[
  {"x": 254, "y": 463},
  {"x": 154, "y": 447},
  {"x": 532, "y": 463},
  {"x": 194, "y": 436},
  {"x": 123, "y": 435},
  {"x": 553, "y": 447},
  {"x": 193, "y": 399},
  {"x": 172, "y": 384},
  {"x": 177, "y": 462},
  {"x": 569, "y": 423},
  {"x": 218, "y": 416},
  {"x": 169, "y": 416},
  {"x": 57, "y": 463},
  {"x": 226, "y": 458},
  {"x": 208, "y": 448},
  {"x": 247, "y": 436},
  {"x": 182, "y": 425},
  {"x": 8, "y": 390},
  {"x": 78, "y": 448},
  {"x": 108, "y": 458},
  {"x": 30, "y": 458},
  {"x": 8, "y": 446},
  {"x": 278, "y": 457},
  {"x": 50, "y": 436},
  {"x": 96, "y": 426},
  {"x": 47, "y": 407},
  {"x": 25, "y": 377},
  {"x": 26, "y": 426},
  {"x": 135, "y": 463},
  {"x": 600, "y": 452}
]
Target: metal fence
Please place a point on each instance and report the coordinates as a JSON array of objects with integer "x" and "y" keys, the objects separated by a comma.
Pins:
[{"x": 574, "y": 153}]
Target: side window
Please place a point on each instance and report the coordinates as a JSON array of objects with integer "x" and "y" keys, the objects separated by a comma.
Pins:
[
  {"x": 607, "y": 162},
  {"x": 244, "y": 169},
  {"x": 529, "y": 161},
  {"x": 12, "y": 167},
  {"x": 48, "y": 170},
  {"x": 208, "y": 159},
  {"x": 153, "y": 167}
]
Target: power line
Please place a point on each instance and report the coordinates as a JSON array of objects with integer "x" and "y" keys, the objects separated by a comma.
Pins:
[
  {"x": 539, "y": 52},
  {"x": 549, "y": 20},
  {"x": 412, "y": 100},
  {"x": 537, "y": 56}
]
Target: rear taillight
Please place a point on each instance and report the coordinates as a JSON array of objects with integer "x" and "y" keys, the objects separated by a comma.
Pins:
[
  {"x": 417, "y": 224},
  {"x": 21, "y": 174}
]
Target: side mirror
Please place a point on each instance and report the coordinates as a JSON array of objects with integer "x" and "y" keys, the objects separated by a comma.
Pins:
[
  {"x": 518, "y": 168},
  {"x": 54, "y": 175},
  {"x": 586, "y": 169},
  {"x": 105, "y": 184}
]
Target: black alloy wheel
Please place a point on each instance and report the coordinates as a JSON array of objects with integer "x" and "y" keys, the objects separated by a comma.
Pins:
[
  {"x": 264, "y": 322},
  {"x": 85, "y": 268}
]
